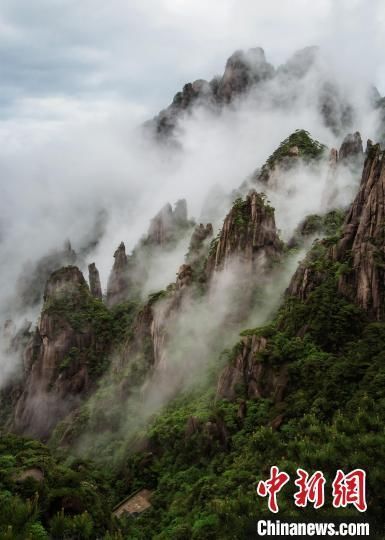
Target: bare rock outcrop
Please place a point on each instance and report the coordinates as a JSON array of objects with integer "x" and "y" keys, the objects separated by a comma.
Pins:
[
  {"x": 166, "y": 226},
  {"x": 94, "y": 279},
  {"x": 213, "y": 431},
  {"x": 363, "y": 239},
  {"x": 349, "y": 157},
  {"x": 305, "y": 279},
  {"x": 118, "y": 282},
  {"x": 361, "y": 248},
  {"x": 248, "y": 234},
  {"x": 336, "y": 111},
  {"x": 243, "y": 70},
  {"x": 248, "y": 376},
  {"x": 68, "y": 282},
  {"x": 56, "y": 359},
  {"x": 351, "y": 148},
  {"x": 129, "y": 272},
  {"x": 199, "y": 91}
]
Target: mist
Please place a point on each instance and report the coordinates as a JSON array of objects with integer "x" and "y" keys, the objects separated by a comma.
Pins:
[{"x": 58, "y": 175}]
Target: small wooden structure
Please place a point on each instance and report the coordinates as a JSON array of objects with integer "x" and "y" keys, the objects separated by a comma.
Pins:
[
  {"x": 134, "y": 504},
  {"x": 33, "y": 472}
]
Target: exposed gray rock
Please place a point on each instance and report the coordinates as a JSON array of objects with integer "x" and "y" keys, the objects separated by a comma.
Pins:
[
  {"x": 94, "y": 279},
  {"x": 248, "y": 375},
  {"x": 118, "y": 282}
]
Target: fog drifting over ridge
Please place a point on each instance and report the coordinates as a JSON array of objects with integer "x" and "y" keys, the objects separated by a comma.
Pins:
[
  {"x": 52, "y": 189},
  {"x": 67, "y": 55},
  {"x": 70, "y": 145}
]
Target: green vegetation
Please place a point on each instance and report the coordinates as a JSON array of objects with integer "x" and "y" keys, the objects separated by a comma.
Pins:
[
  {"x": 333, "y": 417},
  {"x": 69, "y": 501},
  {"x": 214, "y": 244},
  {"x": 308, "y": 149},
  {"x": 204, "y": 456},
  {"x": 326, "y": 225},
  {"x": 200, "y": 455},
  {"x": 88, "y": 316},
  {"x": 155, "y": 297},
  {"x": 241, "y": 210}
]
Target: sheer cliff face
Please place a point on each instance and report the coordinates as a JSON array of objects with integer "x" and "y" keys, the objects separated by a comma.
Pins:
[
  {"x": 249, "y": 375},
  {"x": 118, "y": 282},
  {"x": 361, "y": 248},
  {"x": 363, "y": 239},
  {"x": 56, "y": 363},
  {"x": 351, "y": 150},
  {"x": 248, "y": 235},
  {"x": 242, "y": 71},
  {"x": 347, "y": 162},
  {"x": 221, "y": 280},
  {"x": 200, "y": 238},
  {"x": 94, "y": 280},
  {"x": 247, "y": 246}
]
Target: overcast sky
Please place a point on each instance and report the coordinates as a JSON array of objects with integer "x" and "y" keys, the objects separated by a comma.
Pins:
[
  {"x": 67, "y": 58},
  {"x": 78, "y": 76}
]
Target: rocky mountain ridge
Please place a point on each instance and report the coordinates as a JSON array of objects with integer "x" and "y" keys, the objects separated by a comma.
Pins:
[
  {"x": 101, "y": 377},
  {"x": 248, "y": 73},
  {"x": 360, "y": 246},
  {"x": 248, "y": 238}
]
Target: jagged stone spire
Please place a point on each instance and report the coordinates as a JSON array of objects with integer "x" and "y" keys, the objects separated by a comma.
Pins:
[
  {"x": 167, "y": 224},
  {"x": 243, "y": 69},
  {"x": 55, "y": 357},
  {"x": 363, "y": 238},
  {"x": 248, "y": 233},
  {"x": 361, "y": 247},
  {"x": 94, "y": 279},
  {"x": 351, "y": 147},
  {"x": 118, "y": 282},
  {"x": 67, "y": 281}
]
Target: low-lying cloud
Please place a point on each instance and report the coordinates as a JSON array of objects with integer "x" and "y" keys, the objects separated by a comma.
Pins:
[{"x": 72, "y": 150}]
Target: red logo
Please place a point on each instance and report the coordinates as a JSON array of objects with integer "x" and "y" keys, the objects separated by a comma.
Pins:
[
  {"x": 272, "y": 486},
  {"x": 350, "y": 489},
  {"x": 347, "y": 489},
  {"x": 310, "y": 489}
]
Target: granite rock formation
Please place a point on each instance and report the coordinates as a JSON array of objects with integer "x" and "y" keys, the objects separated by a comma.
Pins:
[
  {"x": 361, "y": 248},
  {"x": 249, "y": 377},
  {"x": 363, "y": 239},
  {"x": 94, "y": 280},
  {"x": 118, "y": 282},
  {"x": 167, "y": 225},
  {"x": 351, "y": 148},
  {"x": 243, "y": 70},
  {"x": 57, "y": 359},
  {"x": 248, "y": 235}
]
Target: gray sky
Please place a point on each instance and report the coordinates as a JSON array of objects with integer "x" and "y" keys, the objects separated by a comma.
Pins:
[
  {"x": 66, "y": 58},
  {"x": 78, "y": 76}
]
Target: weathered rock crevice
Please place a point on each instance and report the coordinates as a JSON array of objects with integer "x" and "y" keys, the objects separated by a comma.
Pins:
[
  {"x": 249, "y": 376},
  {"x": 363, "y": 239},
  {"x": 56, "y": 364},
  {"x": 248, "y": 234},
  {"x": 360, "y": 250}
]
